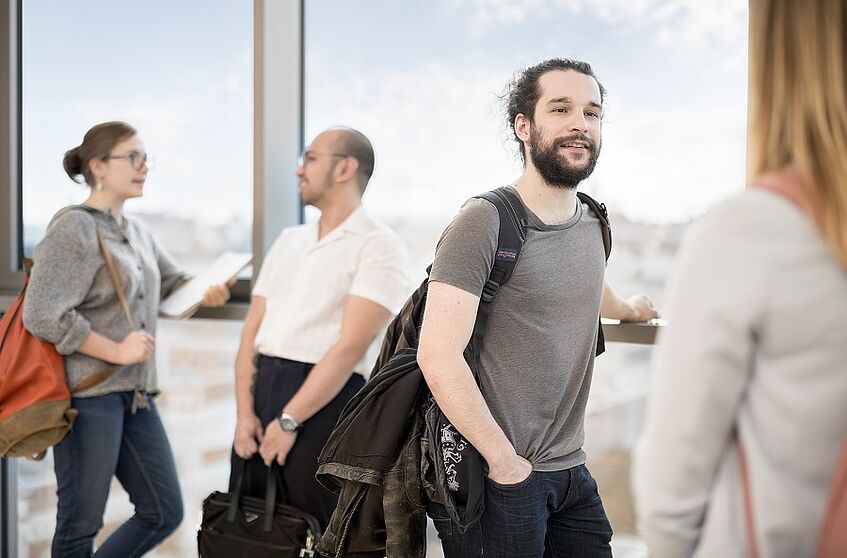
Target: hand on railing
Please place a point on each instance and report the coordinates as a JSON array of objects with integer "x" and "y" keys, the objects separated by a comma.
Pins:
[{"x": 639, "y": 309}]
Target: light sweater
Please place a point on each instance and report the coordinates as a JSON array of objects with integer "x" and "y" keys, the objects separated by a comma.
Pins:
[
  {"x": 71, "y": 293},
  {"x": 756, "y": 343}
]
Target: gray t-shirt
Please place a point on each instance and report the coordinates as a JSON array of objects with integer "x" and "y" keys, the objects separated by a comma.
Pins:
[{"x": 537, "y": 355}]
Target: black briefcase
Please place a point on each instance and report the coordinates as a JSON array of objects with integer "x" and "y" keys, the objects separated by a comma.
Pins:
[{"x": 238, "y": 526}]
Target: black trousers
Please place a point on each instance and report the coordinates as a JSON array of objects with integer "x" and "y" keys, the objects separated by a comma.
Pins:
[{"x": 277, "y": 381}]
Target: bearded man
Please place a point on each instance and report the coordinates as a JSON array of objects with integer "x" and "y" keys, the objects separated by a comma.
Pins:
[{"x": 526, "y": 415}]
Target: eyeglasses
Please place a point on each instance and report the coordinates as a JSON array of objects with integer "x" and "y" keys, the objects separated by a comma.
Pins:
[
  {"x": 310, "y": 157},
  {"x": 136, "y": 160}
]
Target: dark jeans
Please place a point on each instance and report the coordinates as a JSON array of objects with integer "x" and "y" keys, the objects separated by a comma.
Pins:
[
  {"x": 277, "y": 381},
  {"x": 551, "y": 514},
  {"x": 108, "y": 440}
]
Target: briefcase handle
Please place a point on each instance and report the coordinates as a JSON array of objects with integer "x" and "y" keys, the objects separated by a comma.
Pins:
[{"x": 271, "y": 487}]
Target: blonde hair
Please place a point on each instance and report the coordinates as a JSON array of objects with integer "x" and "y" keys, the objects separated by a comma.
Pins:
[{"x": 798, "y": 103}]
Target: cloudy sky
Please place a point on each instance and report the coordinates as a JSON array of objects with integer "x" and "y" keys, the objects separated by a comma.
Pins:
[
  {"x": 423, "y": 83},
  {"x": 180, "y": 72},
  {"x": 420, "y": 77}
]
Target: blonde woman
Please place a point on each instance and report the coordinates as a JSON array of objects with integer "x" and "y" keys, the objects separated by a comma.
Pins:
[{"x": 751, "y": 375}]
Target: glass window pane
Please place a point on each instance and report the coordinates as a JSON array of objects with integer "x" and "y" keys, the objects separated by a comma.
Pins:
[{"x": 181, "y": 74}]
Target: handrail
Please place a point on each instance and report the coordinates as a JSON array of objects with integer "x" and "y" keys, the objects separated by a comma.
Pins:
[{"x": 641, "y": 333}]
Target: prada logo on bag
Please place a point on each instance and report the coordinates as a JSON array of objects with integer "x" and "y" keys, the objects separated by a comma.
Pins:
[{"x": 250, "y": 517}]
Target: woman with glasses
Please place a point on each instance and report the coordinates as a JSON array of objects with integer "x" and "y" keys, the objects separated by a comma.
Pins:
[
  {"x": 748, "y": 410},
  {"x": 72, "y": 302}
]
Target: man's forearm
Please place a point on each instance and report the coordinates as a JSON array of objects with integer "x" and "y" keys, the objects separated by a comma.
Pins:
[
  {"x": 245, "y": 370},
  {"x": 245, "y": 377},
  {"x": 637, "y": 308},
  {"x": 245, "y": 367},
  {"x": 452, "y": 384},
  {"x": 613, "y": 306},
  {"x": 324, "y": 381}
]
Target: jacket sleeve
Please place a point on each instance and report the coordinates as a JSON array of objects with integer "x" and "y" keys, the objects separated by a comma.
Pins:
[
  {"x": 701, "y": 368},
  {"x": 65, "y": 264}
]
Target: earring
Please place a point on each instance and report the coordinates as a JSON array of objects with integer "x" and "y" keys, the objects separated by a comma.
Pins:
[{"x": 98, "y": 186}]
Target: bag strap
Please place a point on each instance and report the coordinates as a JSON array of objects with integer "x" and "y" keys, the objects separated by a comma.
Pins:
[
  {"x": 273, "y": 480},
  {"x": 510, "y": 240},
  {"x": 747, "y": 498},
  {"x": 602, "y": 214},
  {"x": 273, "y": 483},
  {"x": 110, "y": 264},
  {"x": 116, "y": 278},
  {"x": 103, "y": 375},
  {"x": 235, "y": 495},
  {"x": 832, "y": 539}
]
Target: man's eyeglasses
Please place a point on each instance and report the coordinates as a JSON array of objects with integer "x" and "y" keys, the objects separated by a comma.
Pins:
[
  {"x": 136, "y": 160},
  {"x": 311, "y": 156}
]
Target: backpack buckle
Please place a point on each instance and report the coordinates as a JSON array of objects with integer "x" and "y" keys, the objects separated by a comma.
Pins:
[{"x": 489, "y": 290}]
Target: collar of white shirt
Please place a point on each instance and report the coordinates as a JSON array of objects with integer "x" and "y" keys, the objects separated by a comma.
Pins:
[{"x": 354, "y": 222}]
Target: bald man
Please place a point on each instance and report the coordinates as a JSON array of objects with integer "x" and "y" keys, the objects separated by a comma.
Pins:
[{"x": 324, "y": 292}]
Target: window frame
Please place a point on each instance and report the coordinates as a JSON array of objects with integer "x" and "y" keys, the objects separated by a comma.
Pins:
[
  {"x": 10, "y": 234},
  {"x": 11, "y": 244}
]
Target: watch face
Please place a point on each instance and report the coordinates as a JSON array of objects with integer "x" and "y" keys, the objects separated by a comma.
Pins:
[{"x": 288, "y": 424}]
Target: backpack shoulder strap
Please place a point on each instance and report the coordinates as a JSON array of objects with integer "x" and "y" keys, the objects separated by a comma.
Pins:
[
  {"x": 602, "y": 214},
  {"x": 510, "y": 239}
]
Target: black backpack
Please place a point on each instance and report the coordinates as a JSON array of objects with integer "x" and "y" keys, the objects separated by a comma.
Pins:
[{"x": 457, "y": 466}]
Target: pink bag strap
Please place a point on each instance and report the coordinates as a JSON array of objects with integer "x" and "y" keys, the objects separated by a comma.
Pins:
[
  {"x": 833, "y": 536},
  {"x": 747, "y": 498}
]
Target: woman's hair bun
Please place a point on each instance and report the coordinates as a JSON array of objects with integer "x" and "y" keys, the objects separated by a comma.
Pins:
[{"x": 73, "y": 164}]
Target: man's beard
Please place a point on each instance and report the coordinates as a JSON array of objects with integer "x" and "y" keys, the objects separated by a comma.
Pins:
[
  {"x": 308, "y": 197},
  {"x": 554, "y": 166}
]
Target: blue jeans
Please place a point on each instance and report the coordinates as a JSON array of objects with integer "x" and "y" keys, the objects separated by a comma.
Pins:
[
  {"x": 108, "y": 440},
  {"x": 551, "y": 515}
]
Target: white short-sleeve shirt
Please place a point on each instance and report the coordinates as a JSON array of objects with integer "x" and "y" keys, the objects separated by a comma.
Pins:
[{"x": 306, "y": 283}]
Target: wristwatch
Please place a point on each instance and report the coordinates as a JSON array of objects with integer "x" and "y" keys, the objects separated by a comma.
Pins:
[{"x": 289, "y": 423}]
